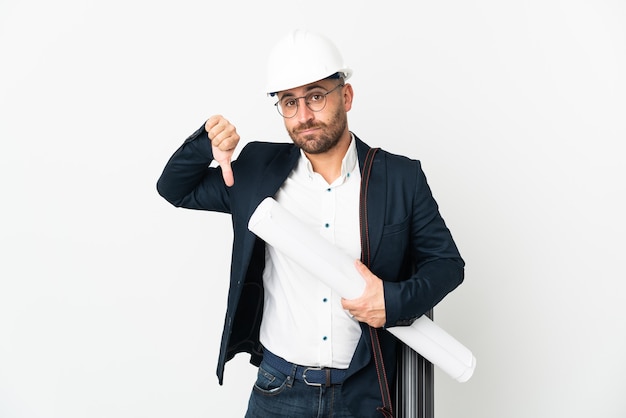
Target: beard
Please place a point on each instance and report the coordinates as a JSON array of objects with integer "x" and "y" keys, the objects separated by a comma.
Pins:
[{"x": 324, "y": 140}]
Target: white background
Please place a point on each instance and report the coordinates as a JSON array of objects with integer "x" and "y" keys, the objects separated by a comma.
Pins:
[{"x": 112, "y": 301}]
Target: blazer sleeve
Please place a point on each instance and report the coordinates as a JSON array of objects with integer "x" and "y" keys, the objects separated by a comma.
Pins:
[
  {"x": 187, "y": 179},
  {"x": 435, "y": 264}
]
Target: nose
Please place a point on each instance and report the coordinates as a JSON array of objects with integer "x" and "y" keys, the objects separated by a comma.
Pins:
[{"x": 303, "y": 113}]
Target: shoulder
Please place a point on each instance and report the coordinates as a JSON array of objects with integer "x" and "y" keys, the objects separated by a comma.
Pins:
[
  {"x": 267, "y": 147},
  {"x": 399, "y": 167},
  {"x": 401, "y": 160},
  {"x": 394, "y": 163},
  {"x": 264, "y": 150},
  {"x": 263, "y": 145},
  {"x": 258, "y": 155}
]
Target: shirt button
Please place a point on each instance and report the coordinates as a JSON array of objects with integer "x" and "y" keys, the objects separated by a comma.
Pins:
[
  {"x": 325, "y": 300},
  {"x": 327, "y": 225},
  {"x": 324, "y": 338},
  {"x": 329, "y": 189}
]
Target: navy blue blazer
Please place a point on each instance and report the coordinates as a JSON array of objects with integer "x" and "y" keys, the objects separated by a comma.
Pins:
[{"x": 411, "y": 248}]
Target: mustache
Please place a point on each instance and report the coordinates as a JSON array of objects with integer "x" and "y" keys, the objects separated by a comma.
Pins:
[{"x": 308, "y": 125}]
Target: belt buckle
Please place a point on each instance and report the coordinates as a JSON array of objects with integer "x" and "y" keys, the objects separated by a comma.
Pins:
[{"x": 316, "y": 369}]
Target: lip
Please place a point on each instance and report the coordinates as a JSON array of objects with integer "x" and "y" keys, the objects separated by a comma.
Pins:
[{"x": 308, "y": 130}]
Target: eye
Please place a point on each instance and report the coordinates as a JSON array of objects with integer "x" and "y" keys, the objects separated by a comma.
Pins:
[
  {"x": 291, "y": 102},
  {"x": 315, "y": 97}
]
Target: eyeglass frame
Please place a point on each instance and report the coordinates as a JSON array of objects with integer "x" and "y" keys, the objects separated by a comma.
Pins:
[{"x": 297, "y": 99}]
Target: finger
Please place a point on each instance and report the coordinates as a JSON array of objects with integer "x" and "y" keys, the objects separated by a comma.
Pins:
[
  {"x": 348, "y": 307},
  {"x": 212, "y": 122},
  {"x": 362, "y": 269},
  {"x": 226, "y": 142},
  {"x": 217, "y": 134},
  {"x": 218, "y": 129},
  {"x": 227, "y": 172},
  {"x": 224, "y": 137}
]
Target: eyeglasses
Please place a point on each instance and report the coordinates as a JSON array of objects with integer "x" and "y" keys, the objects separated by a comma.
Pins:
[{"x": 314, "y": 100}]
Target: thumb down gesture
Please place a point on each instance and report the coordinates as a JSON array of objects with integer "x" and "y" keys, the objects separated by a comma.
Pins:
[{"x": 224, "y": 138}]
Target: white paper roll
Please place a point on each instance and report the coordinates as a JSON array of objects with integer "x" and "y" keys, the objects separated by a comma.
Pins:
[{"x": 283, "y": 231}]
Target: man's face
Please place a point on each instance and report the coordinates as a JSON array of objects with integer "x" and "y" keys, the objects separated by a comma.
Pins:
[{"x": 316, "y": 132}]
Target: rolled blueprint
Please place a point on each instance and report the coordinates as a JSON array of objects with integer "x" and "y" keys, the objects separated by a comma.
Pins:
[{"x": 283, "y": 231}]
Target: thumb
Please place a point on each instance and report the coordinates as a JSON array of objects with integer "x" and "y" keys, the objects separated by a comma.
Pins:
[
  {"x": 364, "y": 271},
  {"x": 361, "y": 268},
  {"x": 227, "y": 172}
]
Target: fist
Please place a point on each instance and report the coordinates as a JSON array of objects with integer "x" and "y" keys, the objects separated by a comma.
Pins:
[{"x": 224, "y": 139}]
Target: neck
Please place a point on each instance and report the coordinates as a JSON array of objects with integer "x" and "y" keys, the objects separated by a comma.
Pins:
[{"x": 328, "y": 164}]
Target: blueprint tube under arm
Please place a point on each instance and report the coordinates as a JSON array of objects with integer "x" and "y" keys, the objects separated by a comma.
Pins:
[{"x": 280, "y": 229}]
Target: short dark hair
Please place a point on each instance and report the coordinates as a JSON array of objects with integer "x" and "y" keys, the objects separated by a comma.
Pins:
[{"x": 335, "y": 76}]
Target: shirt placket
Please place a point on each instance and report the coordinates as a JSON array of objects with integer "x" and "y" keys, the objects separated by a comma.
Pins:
[{"x": 327, "y": 230}]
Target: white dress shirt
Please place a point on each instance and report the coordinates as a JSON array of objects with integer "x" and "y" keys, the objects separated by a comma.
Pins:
[{"x": 303, "y": 320}]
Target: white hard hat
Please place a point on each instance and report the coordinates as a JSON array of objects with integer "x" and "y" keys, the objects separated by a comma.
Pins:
[{"x": 301, "y": 58}]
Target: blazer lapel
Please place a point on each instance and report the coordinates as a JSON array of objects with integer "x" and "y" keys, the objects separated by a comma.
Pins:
[
  {"x": 377, "y": 188},
  {"x": 275, "y": 174},
  {"x": 272, "y": 178}
]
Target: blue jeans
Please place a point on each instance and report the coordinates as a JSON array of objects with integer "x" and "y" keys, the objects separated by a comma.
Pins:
[{"x": 276, "y": 395}]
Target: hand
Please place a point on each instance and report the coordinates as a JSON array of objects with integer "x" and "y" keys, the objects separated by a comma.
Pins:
[
  {"x": 370, "y": 306},
  {"x": 224, "y": 138}
]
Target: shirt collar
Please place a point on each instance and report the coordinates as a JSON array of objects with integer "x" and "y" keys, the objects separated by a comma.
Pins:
[{"x": 348, "y": 163}]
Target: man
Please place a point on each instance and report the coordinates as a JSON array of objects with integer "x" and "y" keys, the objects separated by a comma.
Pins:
[{"x": 314, "y": 349}]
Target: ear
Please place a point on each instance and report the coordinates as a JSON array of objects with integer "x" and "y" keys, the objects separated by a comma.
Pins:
[{"x": 348, "y": 95}]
